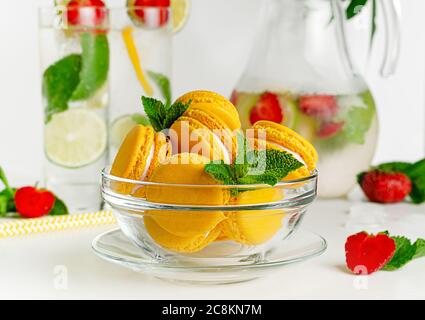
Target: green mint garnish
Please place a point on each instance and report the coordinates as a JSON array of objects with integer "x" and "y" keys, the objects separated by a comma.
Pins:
[
  {"x": 359, "y": 120},
  {"x": 405, "y": 252},
  {"x": 59, "y": 208},
  {"x": 7, "y": 201},
  {"x": 95, "y": 65},
  {"x": 162, "y": 116},
  {"x": 163, "y": 83},
  {"x": 260, "y": 167},
  {"x": 59, "y": 82}
]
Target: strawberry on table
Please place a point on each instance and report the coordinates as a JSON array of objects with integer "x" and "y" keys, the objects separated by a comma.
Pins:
[
  {"x": 366, "y": 253},
  {"x": 78, "y": 14},
  {"x": 385, "y": 187},
  {"x": 33, "y": 203},
  {"x": 267, "y": 108},
  {"x": 319, "y": 106}
]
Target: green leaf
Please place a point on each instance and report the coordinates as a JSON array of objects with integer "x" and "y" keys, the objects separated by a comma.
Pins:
[
  {"x": 359, "y": 121},
  {"x": 405, "y": 251},
  {"x": 418, "y": 190},
  {"x": 7, "y": 201},
  {"x": 95, "y": 65},
  {"x": 394, "y": 167},
  {"x": 154, "y": 109},
  {"x": 160, "y": 116},
  {"x": 265, "y": 167},
  {"x": 174, "y": 112},
  {"x": 163, "y": 84},
  {"x": 59, "y": 82},
  {"x": 420, "y": 249},
  {"x": 59, "y": 208},
  {"x": 220, "y": 172},
  {"x": 354, "y": 8}
]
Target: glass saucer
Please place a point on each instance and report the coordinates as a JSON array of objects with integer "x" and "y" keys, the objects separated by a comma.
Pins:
[{"x": 115, "y": 247}]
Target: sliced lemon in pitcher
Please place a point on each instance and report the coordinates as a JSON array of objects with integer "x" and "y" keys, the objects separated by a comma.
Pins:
[{"x": 75, "y": 138}]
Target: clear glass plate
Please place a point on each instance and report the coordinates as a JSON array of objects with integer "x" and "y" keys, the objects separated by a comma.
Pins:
[{"x": 115, "y": 247}]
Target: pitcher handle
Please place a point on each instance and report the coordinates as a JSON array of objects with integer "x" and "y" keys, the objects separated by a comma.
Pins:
[{"x": 392, "y": 16}]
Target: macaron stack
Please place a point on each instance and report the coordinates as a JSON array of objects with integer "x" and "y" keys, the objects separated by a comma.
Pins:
[{"x": 205, "y": 128}]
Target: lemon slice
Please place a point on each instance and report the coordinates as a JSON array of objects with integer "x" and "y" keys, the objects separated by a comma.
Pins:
[
  {"x": 180, "y": 10},
  {"x": 75, "y": 138}
]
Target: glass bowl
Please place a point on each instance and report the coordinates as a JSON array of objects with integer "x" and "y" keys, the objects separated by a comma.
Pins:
[{"x": 207, "y": 224}]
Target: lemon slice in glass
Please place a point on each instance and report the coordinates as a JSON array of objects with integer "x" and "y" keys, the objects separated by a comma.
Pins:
[
  {"x": 180, "y": 10},
  {"x": 75, "y": 138}
]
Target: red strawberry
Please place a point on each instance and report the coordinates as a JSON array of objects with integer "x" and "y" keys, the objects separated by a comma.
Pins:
[
  {"x": 152, "y": 18},
  {"x": 385, "y": 187},
  {"x": 366, "y": 253},
  {"x": 79, "y": 14},
  {"x": 33, "y": 203},
  {"x": 267, "y": 108},
  {"x": 319, "y": 106},
  {"x": 330, "y": 129}
]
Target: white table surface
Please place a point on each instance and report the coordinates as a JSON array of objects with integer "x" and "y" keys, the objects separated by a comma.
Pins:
[{"x": 28, "y": 265}]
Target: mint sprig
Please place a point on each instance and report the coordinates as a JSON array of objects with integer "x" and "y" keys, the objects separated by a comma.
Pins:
[
  {"x": 162, "y": 116},
  {"x": 260, "y": 167},
  {"x": 405, "y": 252}
]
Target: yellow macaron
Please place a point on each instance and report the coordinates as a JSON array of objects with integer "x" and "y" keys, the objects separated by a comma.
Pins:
[
  {"x": 253, "y": 227},
  {"x": 216, "y": 114},
  {"x": 182, "y": 181},
  {"x": 179, "y": 244},
  {"x": 140, "y": 152},
  {"x": 270, "y": 135}
]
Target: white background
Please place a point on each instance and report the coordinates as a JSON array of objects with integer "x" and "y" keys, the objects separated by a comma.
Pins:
[{"x": 210, "y": 53}]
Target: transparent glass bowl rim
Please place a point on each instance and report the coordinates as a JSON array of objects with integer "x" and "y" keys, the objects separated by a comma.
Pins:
[{"x": 108, "y": 176}]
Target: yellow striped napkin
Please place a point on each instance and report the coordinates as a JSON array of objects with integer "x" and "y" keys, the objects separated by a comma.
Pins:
[{"x": 22, "y": 227}]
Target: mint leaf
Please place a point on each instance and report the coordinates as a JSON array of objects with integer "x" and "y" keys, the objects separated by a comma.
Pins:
[
  {"x": 155, "y": 111},
  {"x": 354, "y": 8},
  {"x": 59, "y": 208},
  {"x": 7, "y": 201},
  {"x": 95, "y": 65},
  {"x": 359, "y": 121},
  {"x": 420, "y": 248},
  {"x": 269, "y": 167},
  {"x": 221, "y": 172},
  {"x": 163, "y": 84},
  {"x": 59, "y": 82},
  {"x": 160, "y": 116},
  {"x": 173, "y": 113},
  {"x": 418, "y": 190},
  {"x": 405, "y": 251},
  {"x": 394, "y": 167}
]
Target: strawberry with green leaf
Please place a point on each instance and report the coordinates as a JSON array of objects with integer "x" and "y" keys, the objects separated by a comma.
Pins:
[
  {"x": 394, "y": 181},
  {"x": 366, "y": 253}
]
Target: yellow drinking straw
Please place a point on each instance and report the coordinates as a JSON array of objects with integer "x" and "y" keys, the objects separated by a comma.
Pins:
[
  {"x": 59, "y": 223},
  {"x": 127, "y": 34}
]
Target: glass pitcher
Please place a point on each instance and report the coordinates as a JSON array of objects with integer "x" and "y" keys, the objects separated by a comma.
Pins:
[{"x": 300, "y": 74}]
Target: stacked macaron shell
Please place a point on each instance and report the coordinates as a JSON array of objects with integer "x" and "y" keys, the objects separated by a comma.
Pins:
[
  {"x": 175, "y": 161},
  {"x": 140, "y": 153},
  {"x": 208, "y": 127},
  {"x": 270, "y": 135}
]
